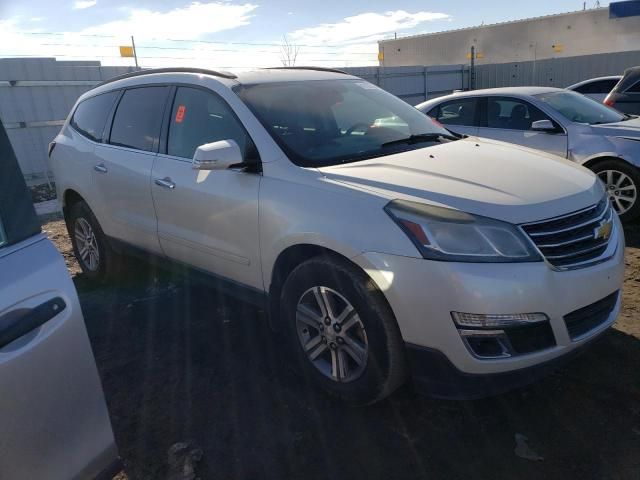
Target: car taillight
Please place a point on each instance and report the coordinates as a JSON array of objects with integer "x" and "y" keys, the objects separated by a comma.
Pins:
[{"x": 609, "y": 102}]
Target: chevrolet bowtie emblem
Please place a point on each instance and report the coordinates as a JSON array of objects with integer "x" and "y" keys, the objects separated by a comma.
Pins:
[{"x": 603, "y": 231}]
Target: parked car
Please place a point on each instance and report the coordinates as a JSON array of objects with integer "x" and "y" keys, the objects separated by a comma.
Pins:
[
  {"x": 596, "y": 88},
  {"x": 381, "y": 245},
  {"x": 556, "y": 121},
  {"x": 53, "y": 414},
  {"x": 625, "y": 96}
]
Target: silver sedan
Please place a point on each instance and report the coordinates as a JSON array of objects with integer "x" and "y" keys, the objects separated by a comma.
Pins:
[{"x": 557, "y": 121}]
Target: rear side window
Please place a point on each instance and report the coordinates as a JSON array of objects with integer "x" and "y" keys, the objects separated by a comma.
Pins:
[
  {"x": 200, "y": 117},
  {"x": 634, "y": 88},
  {"x": 138, "y": 118},
  {"x": 601, "y": 86},
  {"x": 91, "y": 115},
  {"x": 457, "y": 112}
]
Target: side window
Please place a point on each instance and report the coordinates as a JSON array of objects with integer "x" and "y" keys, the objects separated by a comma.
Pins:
[
  {"x": 600, "y": 86},
  {"x": 458, "y": 112},
  {"x": 200, "y": 117},
  {"x": 512, "y": 114},
  {"x": 138, "y": 118},
  {"x": 91, "y": 115},
  {"x": 635, "y": 88}
]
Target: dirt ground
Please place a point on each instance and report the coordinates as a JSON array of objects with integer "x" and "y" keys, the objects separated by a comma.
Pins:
[{"x": 197, "y": 385}]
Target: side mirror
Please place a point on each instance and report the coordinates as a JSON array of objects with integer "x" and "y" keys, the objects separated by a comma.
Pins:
[
  {"x": 543, "y": 126},
  {"x": 217, "y": 155}
]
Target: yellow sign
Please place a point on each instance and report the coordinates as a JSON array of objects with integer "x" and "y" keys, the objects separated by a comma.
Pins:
[
  {"x": 478, "y": 55},
  {"x": 381, "y": 56},
  {"x": 558, "y": 47},
  {"x": 126, "y": 51}
]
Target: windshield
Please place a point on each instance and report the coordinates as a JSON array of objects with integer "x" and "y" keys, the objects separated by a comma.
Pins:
[
  {"x": 580, "y": 109},
  {"x": 325, "y": 122}
]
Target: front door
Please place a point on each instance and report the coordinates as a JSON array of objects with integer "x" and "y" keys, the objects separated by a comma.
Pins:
[
  {"x": 123, "y": 169},
  {"x": 53, "y": 418},
  {"x": 459, "y": 115},
  {"x": 207, "y": 219},
  {"x": 509, "y": 120}
]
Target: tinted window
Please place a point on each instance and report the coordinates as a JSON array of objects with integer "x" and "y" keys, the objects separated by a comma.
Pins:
[
  {"x": 458, "y": 112},
  {"x": 578, "y": 108},
  {"x": 18, "y": 220},
  {"x": 600, "y": 86},
  {"x": 138, "y": 118},
  {"x": 91, "y": 115},
  {"x": 512, "y": 114},
  {"x": 634, "y": 88},
  {"x": 200, "y": 117},
  {"x": 326, "y": 122}
]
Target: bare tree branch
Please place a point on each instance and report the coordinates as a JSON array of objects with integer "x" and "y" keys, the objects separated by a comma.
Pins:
[{"x": 288, "y": 52}]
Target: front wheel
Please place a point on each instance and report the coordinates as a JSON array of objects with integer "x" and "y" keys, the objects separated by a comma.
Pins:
[
  {"x": 622, "y": 183},
  {"x": 342, "y": 330}
]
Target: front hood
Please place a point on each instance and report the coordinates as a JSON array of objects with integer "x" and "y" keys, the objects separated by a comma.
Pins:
[
  {"x": 627, "y": 129},
  {"x": 478, "y": 176}
]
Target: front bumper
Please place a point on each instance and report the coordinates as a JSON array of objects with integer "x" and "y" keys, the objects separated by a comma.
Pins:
[{"x": 422, "y": 295}]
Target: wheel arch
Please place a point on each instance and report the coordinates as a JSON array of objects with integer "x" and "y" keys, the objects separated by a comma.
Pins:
[
  {"x": 288, "y": 260},
  {"x": 592, "y": 162}
]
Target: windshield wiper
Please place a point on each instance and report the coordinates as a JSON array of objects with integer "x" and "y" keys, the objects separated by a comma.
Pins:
[{"x": 420, "y": 137}]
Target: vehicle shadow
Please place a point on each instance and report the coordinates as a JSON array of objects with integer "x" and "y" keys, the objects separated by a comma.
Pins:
[
  {"x": 632, "y": 235},
  {"x": 187, "y": 363}
]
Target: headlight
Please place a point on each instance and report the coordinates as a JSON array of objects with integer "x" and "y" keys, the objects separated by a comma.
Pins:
[{"x": 450, "y": 235}]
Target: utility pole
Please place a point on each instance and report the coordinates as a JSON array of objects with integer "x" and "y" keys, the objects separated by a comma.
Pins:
[
  {"x": 472, "y": 73},
  {"x": 135, "y": 54}
]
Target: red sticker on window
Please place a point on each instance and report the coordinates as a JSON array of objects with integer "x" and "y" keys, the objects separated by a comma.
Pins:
[{"x": 180, "y": 113}]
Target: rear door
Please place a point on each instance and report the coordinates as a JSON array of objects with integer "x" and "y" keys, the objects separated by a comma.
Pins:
[
  {"x": 123, "y": 172},
  {"x": 509, "y": 119},
  {"x": 459, "y": 115},
  {"x": 53, "y": 415}
]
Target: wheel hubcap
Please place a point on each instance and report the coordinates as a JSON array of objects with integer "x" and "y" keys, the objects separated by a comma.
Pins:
[
  {"x": 620, "y": 189},
  {"x": 331, "y": 334},
  {"x": 87, "y": 244}
]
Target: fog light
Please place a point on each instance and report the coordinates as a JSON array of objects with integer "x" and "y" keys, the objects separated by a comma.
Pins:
[
  {"x": 479, "y": 320},
  {"x": 487, "y": 343}
]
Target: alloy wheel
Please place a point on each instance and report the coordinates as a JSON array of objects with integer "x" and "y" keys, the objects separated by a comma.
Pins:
[
  {"x": 331, "y": 334},
  {"x": 620, "y": 188},
  {"x": 87, "y": 244}
]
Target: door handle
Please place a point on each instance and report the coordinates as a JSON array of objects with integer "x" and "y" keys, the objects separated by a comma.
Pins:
[
  {"x": 100, "y": 168},
  {"x": 21, "y": 321},
  {"x": 165, "y": 182}
]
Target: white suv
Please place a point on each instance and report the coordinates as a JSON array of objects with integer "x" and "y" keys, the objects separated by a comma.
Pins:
[{"x": 382, "y": 245}]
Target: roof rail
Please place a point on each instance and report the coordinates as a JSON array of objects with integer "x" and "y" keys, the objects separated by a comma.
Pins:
[
  {"x": 318, "y": 69},
  {"x": 149, "y": 71}
]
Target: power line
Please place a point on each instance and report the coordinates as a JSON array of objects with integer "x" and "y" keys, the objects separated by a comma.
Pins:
[{"x": 259, "y": 44}]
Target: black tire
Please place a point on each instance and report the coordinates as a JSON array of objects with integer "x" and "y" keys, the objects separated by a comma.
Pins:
[
  {"x": 385, "y": 366},
  {"x": 108, "y": 260},
  {"x": 632, "y": 173}
]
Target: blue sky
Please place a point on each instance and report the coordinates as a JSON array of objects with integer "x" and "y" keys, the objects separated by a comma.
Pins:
[{"x": 327, "y": 32}]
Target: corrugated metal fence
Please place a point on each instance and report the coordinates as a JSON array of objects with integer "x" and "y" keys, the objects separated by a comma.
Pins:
[
  {"x": 36, "y": 95},
  {"x": 416, "y": 84},
  {"x": 554, "y": 72}
]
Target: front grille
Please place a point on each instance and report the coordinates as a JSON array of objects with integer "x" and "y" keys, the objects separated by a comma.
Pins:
[
  {"x": 572, "y": 241},
  {"x": 590, "y": 317}
]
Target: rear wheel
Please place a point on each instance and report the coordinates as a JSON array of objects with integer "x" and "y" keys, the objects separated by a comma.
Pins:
[
  {"x": 90, "y": 246},
  {"x": 342, "y": 331},
  {"x": 622, "y": 183}
]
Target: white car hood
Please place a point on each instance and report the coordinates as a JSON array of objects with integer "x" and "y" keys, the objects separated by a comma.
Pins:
[{"x": 479, "y": 176}]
